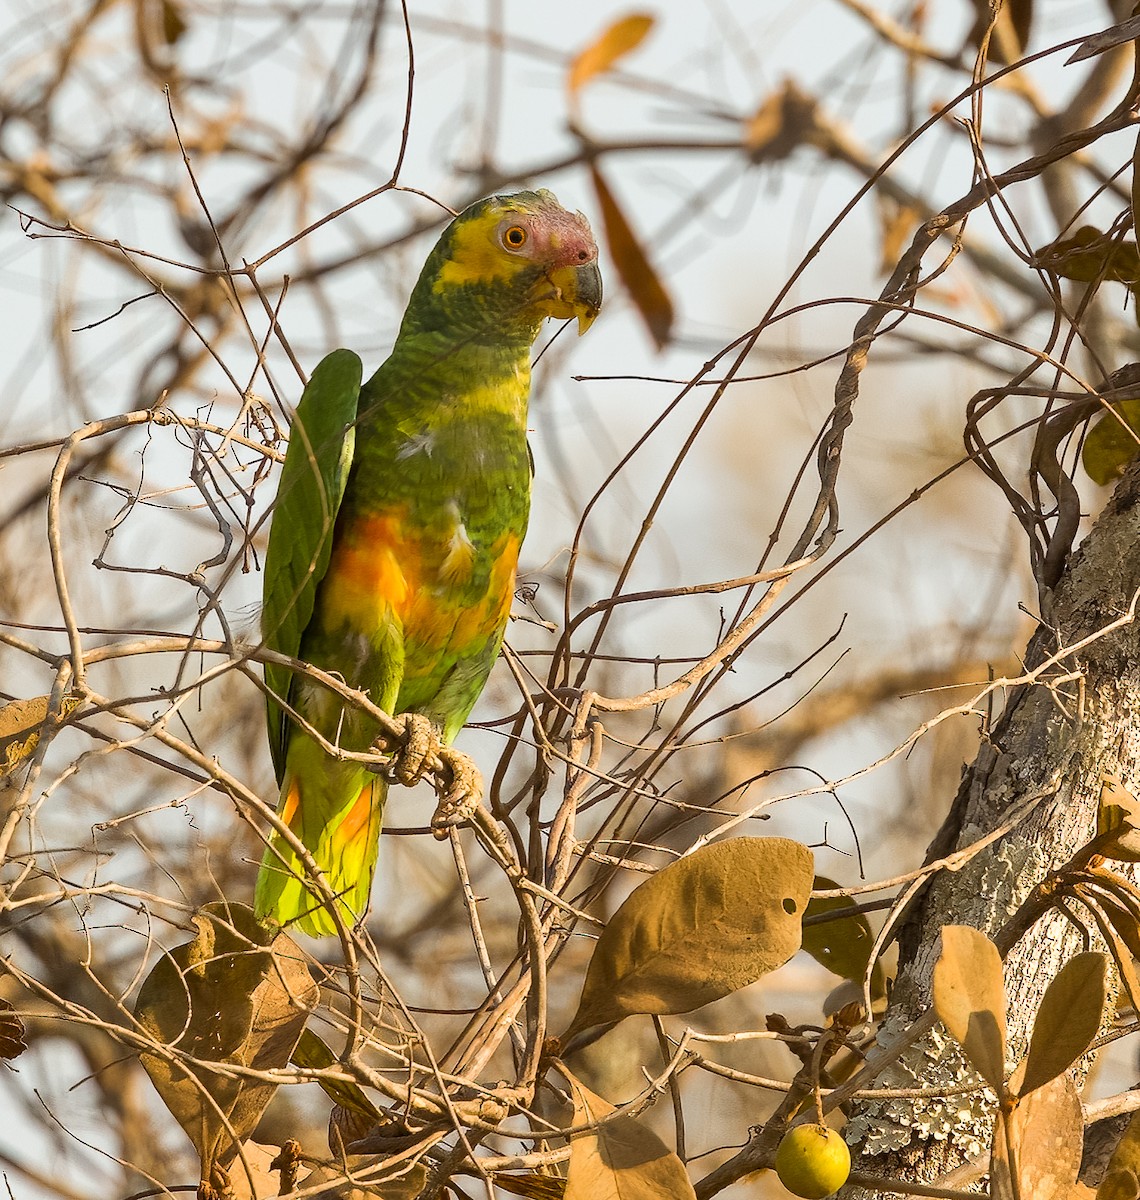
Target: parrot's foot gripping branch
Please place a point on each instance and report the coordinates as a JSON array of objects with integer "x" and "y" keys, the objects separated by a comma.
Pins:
[
  {"x": 420, "y": 753},
  {"x": 419, "y": 745},
  {"x": 460, "y": 795}
]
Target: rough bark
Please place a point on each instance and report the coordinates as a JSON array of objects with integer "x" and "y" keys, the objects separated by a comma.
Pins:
[{"x": 1056, "y": 740}]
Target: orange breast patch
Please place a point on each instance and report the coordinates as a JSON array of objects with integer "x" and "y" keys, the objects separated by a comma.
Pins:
[
  {"x": 373, "y": 572},
  {"x": 380, "y": 572}
]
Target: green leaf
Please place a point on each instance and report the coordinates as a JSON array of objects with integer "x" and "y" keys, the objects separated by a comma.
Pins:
[
  {"x": 843, "y": 945},
  {"x": 312, "y": 485},
  {"x": 312, "y": 1053},
  {"x": 1089, "y": 255},
  {"x": 1126, "y": 1156},
  {"x": 969, "y": 997},
  {"x": 1111, "y": 443},
  {"x": 1119, "y": 1184},
  {"x": 235, "y": 995},
  {"x": 620, "y": 1159},
  {"x": 701, "y": 928},
  {"x": 1067, "y": 1020}
]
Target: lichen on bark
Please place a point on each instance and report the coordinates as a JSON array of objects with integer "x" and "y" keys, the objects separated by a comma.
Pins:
[{"x": 1039, "y": 770}]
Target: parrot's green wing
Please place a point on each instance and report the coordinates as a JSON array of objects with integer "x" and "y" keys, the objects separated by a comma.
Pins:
[{"x": 300, "y": 540}]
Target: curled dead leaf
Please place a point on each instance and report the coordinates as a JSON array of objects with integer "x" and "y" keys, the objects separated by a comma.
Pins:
[{"x": 237, "y": 995}]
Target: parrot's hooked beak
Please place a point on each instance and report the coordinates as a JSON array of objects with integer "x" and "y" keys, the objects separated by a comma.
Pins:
[{"x": 577, "y": 293}]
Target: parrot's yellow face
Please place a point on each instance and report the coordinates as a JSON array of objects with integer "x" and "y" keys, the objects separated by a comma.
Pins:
[{"x": 529, "y": 247}]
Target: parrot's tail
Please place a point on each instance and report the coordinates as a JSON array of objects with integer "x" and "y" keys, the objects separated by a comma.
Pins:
[{"x": 341, "y": 837}]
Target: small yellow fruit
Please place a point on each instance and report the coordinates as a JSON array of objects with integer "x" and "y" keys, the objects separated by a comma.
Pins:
[{"x": 813, "y": 1161}]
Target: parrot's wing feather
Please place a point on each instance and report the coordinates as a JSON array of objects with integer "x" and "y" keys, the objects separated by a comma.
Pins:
[{"x": 312, "y": 485}]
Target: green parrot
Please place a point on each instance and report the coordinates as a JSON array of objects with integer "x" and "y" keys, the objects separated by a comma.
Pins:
[{"x": 396, "y": 533}]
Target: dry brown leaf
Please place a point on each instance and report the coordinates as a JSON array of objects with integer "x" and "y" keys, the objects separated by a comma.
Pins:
[
  {"x": 1121, "y": 954},
  {"x": 643, "y": 284},
  {"x": 615, "y": 42},
  {"x": 766, "y": 125},
  {"x": 897, "y": 223},
  {"x": 620, "y": 1160},
  {"x": 1120, "y": 911},
  {"x": 236, "y": 994},
  {"x": 532, "y": 1185},
  {"x": 1067, "y": 1020},
  {"x": 12, "y": 1031},
  {"x": 1118, "y": 811},
  {"x": 404, "y": 1182},
  {"x": 1001, "y": 1173},
  {"x": 700, "y": 929},
  {"x": 1136, "y": 184},
  {"x": 258, "y": 1180},
  {"x": 1046, "y": 1129},
  {"x": 969, "y": 997}
]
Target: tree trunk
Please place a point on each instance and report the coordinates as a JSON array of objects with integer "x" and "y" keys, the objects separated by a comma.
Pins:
[{"x": 1040, "y": 769}]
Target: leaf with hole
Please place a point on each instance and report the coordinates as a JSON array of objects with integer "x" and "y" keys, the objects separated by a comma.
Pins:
[
  {"x": 969, "y": 997},
  {"x": 237, "y": 995},
  {"x": 1067, "y": 1020},
  {"x": 701, "y": 928},
  {"x": 620, "y": 1159}
]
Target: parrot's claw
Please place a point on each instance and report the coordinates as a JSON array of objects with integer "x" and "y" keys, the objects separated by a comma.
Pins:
[
  {"x": 460, "y": 795},
  {"x": 419, "y": 744}
]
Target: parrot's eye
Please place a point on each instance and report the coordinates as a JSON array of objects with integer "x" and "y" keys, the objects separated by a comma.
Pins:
[{"x": 514, "y": 238}]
